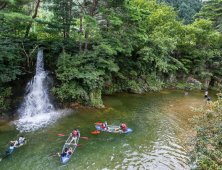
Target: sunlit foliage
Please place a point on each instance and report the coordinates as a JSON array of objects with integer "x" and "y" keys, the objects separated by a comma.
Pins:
[{"x": 207, "y": 143}]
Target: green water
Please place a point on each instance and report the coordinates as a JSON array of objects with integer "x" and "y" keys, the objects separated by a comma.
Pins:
[{"x": 160, "y": 129}]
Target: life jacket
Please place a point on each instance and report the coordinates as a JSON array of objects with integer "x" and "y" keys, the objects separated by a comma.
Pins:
[
  {"x": 124, "y": 127},
  {"x": 75, "y": 133},
  {"x": 67, "y": 154},
  {"x": 21, "y": 141},
  {"x": 11, "y": 147},
  {"x": 103, "y": 126}
]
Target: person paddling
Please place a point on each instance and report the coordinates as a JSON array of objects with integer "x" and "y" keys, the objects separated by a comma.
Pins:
[
  {"x": 66, "y": 152},
  {"x": 63, "y": 153},
  {"x": 105, "y": 127},
  {"x": 122, "y": 127},
  {"x": 74, "y": 135}
]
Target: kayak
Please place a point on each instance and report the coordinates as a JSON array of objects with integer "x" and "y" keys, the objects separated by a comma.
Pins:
[
  {"x": 65, "y": 159},
  {"x": 112, "y": 129}
]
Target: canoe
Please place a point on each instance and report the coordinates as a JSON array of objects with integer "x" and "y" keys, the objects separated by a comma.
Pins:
[
  {"x": 65, "y": 159},
  {"x": 112, "y": 129}
]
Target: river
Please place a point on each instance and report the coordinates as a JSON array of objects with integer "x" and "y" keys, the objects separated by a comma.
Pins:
[{"x": 160, "y": 128}]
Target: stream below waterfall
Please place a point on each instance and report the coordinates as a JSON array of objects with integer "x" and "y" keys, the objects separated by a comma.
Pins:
[{"x": 160, "y": 128}]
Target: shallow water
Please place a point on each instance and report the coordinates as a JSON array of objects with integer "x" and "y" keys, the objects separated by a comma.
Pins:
[{"x": 160, "y": 128}]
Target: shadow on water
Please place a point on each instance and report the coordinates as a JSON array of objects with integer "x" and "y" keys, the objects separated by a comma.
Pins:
[{"x": 160, "y": 128}]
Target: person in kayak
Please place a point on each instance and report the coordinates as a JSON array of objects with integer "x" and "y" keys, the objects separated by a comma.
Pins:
[
  {"x": 70, "y": 151},
  {"x": 11, "y": 148},
  {"x": 74, "y": 135},
  {"x": 122, "y": 127},
  {"x": 66, "y": 152},
  {"x": 8, "y": 152},
  {"x": 63, "y": 153},
  {"x": 105, "y": 127},
  {"x": 19, "y": 142}
]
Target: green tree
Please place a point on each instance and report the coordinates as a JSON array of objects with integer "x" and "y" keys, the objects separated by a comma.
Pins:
[
  {"x": 186, "y": 9},
  {"x": 198, "y": 48},
  {"x": 63, "y": 19},
  {"x": 82, "y": 76},
  {"x": 212, "y": 10}
]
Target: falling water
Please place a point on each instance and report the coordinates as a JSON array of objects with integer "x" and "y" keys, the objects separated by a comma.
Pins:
[{"x": 36, "y": 110}]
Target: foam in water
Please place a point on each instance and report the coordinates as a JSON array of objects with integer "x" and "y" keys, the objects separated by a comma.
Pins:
[{"x": 36, "y": 110}]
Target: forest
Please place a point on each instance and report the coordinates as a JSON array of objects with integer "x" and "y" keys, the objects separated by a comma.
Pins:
[
  {"x": 101, "y": 47},
  {"x": 96, "y": 47}
]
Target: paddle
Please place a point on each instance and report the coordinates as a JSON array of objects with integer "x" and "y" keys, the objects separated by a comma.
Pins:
[
  {"x": 51, "y": 156},
  {"x": 95, "y": 132},
  {"x": 67, "y": 135},
  {"x": 56, "y": 154},
  {"x": 98, "y": 123}
]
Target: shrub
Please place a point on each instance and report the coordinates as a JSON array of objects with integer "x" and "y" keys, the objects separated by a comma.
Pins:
[{"x": 207, "y": 143}]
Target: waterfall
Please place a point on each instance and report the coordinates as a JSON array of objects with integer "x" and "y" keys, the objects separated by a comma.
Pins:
[{"x": 36, "y": 111}]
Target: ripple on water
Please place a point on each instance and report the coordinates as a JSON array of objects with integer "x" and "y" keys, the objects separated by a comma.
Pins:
[{"x": 158, "y": 158}]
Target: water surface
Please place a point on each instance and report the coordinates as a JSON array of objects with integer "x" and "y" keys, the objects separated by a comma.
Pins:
[{"x": 160, "y": 128}]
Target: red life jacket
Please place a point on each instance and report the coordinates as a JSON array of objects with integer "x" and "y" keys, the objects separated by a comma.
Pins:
[
  {"x": 75, "y": 132},
  {"x": 103, "y": 126},
  {"x": 124, "y": 127}
]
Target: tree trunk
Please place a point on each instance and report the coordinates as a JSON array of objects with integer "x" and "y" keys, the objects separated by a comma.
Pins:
[
  {"x": 86, "y": 43},
  {"x": 63, "y": 21},
  {"x": 3, "y": 5},
  {"x": 34, "y": 16},
  {"x": 69, "y": 18},
  {"x": 94, "y": 4},
  {"x": 80, "y": 28}
]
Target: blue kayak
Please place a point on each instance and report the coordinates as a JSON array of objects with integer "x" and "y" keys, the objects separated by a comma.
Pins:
[
  {"x": 112, "y": 129},
  {"x": 66, "y": 158}
]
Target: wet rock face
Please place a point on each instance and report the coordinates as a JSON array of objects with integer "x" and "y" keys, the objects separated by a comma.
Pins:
[{"x": 193, "y": 81}]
